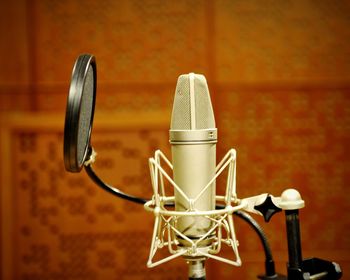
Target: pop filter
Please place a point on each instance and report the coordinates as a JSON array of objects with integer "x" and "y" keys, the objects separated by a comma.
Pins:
[{"x": 79, "y": 113}]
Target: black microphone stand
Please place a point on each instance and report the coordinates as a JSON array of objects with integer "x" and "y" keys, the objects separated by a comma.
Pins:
[{"x": 297, "y": 267}]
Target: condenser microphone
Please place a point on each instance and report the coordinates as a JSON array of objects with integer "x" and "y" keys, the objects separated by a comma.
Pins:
[
  {"x": 195, "y": 229},
  {"x": 193, "y": 138}
]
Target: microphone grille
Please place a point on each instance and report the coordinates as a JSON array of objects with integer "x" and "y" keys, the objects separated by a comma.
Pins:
[{"x": 192, "y": 107}]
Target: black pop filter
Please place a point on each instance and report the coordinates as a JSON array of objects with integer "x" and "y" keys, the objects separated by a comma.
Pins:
[{"x": 79, "y": 113}]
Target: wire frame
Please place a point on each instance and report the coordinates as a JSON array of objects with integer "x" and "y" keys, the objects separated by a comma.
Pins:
[{"x": 165, "y": 233}]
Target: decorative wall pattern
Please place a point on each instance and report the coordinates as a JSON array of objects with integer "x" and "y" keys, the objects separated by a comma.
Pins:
[
  {"x": 279, "y": 77},
  {"x": 291, "y": 40},
  {"x": 66, "y": 227},
  {"x": 143, "y": 36}
]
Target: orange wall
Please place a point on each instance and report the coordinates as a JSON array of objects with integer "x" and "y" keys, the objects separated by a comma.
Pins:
[{"x": 279, "y": 76}]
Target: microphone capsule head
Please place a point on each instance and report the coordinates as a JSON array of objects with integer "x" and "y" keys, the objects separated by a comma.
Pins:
[{"x": 192, "y": 110}]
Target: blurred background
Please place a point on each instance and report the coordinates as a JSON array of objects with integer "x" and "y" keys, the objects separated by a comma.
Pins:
[{"x": 279, "y": 77}]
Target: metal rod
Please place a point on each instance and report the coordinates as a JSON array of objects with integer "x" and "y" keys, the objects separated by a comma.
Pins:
[
  {"x": 196, "y": 270},
  {"x": 293, "y": 237}
]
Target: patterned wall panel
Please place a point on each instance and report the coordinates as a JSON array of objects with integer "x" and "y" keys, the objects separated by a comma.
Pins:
[
  {"x": 295, "y": 139},
  {"x": 65, "y": 227},
  {"x": 279, "y": 80},
  {"x": 284, "y": 40},
  {"x": 14, "y": 44},
  {"x": 148, "y": 41}
]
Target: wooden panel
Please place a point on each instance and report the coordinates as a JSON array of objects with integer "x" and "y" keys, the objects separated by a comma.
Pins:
[
  {"x": 14, "y": 43},
  {"x": 279, "y": 76},
  {"x": 61, "y": 225},
  {"x": 294, "y": 139},
  {"x": 282, "y": 41},
  {"x": 134, "y": 41},
  {"x": 15, "y": 74}
]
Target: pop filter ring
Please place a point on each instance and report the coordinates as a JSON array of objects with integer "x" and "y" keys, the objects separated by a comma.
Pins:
[{"x": 75, "y": 155}]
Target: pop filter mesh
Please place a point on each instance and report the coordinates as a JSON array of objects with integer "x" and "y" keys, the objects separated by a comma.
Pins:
[{"x": 87, "y": 103}]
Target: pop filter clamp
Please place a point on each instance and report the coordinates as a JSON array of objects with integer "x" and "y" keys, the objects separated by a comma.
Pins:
[{"x": 78, "y": 153}]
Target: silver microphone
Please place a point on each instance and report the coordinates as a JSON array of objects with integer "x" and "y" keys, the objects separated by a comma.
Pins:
[
  {"x": 193, "y": 138},
  {"x": 194, "y": 230}
]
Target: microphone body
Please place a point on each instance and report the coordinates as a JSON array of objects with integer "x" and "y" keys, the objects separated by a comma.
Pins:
[
  {"x": 193, "y": 138},
  {"x": 195, "y": 229},
  {"x": 194, "y": 167}
]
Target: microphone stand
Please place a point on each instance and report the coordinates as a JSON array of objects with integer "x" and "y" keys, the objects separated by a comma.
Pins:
[
  {"x": 297, "y": 267},
  {"x": 196, "y": 270}
]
